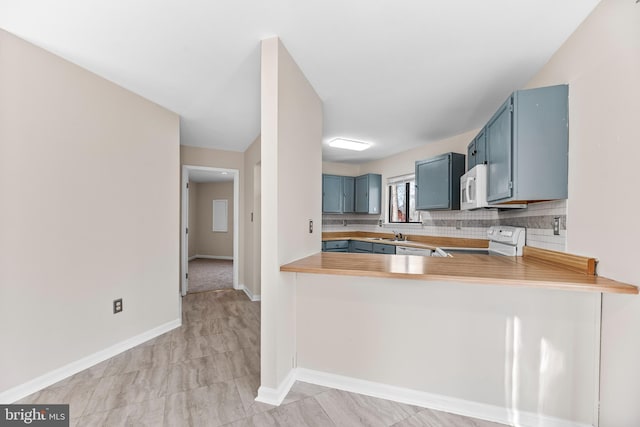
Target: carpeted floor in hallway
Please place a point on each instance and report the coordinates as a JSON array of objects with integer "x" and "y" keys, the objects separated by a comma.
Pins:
[{"x": 210, "y": 275}]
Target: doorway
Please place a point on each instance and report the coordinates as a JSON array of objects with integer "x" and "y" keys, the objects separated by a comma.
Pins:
[{"x": 209, "y": 229}]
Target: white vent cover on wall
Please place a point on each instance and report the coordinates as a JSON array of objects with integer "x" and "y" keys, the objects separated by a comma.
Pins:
[{"x": 220, "y": 217}]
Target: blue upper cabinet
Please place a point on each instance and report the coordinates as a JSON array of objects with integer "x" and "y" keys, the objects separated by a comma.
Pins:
[
  {"x": 368, "y": 191},
  {"x": 527, "y": 145},
  {"x": 476, "y": 150},
  {"x": 349, "y": 196},
  {"x": 332, "y": 194},
  {"x": 499, "y": 178},
  {"x": 339, "y": 194},
  {"x": 438, "y": 182}
]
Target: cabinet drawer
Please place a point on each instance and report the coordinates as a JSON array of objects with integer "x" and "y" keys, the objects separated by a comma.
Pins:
[
  {"x": 336, "y": 244},
  {"x": 357, "y": 246},
  {"x": 380, "y": 248}
]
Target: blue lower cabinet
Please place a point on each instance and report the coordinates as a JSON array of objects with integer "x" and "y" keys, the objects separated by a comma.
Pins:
[
  {"x": 356, "y": 246},
  {"x": 360, "y": 247},
  {"x": 335, "y": 246},
  {"x": 380, "y": 248}
]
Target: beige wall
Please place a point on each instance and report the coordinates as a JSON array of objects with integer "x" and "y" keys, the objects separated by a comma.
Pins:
[
  {"x": 601, "y": 64},
  {"x": 291, "y": 152},
  {"x": 208, "y": 242},
  {"x": 346, "y": 169},
  {"x": 404, "y": 163},
  {"x": 252, "y": 228},
  {"x": 196, "y": 156},
  {"x": 77, "y": 231},
  {"x": 515, "y": 349},
  {"x": 193, "y": 225}
]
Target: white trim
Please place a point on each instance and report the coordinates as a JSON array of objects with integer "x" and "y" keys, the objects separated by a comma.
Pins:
[
  {"x": 185, "y": 223},
  {"x": 249, "y": 294},
  {"x": 432, "y": 401},
  {"x": 191, "y": 258},
  {"x": 184, "y": 237},
  {"x": 274, "y": 396},
  {"x": 598, "y": 358},
  {"x": 228, "y": 258},
  {"x": 236, "y": 227},
  {"x": 401, "y": 178},
  {"x": 52, "y": 377}
]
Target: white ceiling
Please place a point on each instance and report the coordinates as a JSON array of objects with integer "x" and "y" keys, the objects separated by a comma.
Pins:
[
  {"x": 397, "y": 73},
  {"x": 203, "y": 176}
]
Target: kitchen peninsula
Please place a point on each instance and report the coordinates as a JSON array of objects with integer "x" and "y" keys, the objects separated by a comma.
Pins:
[
  {"x": 514, "y": 340},
  {"x": 468, "y": 268}
]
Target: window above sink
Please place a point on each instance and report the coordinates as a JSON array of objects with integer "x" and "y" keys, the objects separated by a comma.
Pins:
[{"x": 402, "y": 196}]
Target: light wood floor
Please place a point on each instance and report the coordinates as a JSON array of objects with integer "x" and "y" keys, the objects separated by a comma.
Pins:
[{"x": 207, "y": 372}]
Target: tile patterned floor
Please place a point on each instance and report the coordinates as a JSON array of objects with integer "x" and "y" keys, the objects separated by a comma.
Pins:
[{"x": 207, "y": 372}]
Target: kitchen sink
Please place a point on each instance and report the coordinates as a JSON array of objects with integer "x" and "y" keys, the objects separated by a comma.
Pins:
[{"x": 387, "y": 239}]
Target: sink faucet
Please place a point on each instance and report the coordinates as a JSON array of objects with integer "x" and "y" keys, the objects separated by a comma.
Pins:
[{"x": 396, "y": 235}]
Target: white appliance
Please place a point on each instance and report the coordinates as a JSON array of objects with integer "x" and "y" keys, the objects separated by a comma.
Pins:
[
  {"x": 407, "y": 250},
  {"x": 473, "y": 191},
  {"x": 506, "y": 240},
  {"x": 503, "y": 240}
]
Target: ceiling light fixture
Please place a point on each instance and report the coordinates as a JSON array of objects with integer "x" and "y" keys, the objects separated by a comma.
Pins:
[{"x": 349, "y": 144}]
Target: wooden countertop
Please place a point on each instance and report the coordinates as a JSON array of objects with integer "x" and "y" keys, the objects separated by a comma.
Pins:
[{"x": 467, "y": 268}]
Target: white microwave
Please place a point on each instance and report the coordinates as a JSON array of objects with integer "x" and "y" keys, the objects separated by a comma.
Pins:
[{"x": 473, "y": 191}]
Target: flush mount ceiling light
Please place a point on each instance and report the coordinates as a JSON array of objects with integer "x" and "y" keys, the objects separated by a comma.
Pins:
[{"x": 349, "y": 144}]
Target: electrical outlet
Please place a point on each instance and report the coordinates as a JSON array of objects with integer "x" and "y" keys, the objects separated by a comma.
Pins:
[
  {"x": 556, "y": 226},
  {"x": 117, "y": 305},
  {"x": 310, "y": 226},
  {"x": 458, "y": 224}
]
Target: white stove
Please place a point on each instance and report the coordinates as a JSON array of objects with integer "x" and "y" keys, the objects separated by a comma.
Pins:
[
  {"x": 506, "y": 240},
  {"x": 503, "y": 240}
]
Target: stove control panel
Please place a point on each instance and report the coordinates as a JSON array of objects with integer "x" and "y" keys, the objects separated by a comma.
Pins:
[{"x": 506, "y": 239}]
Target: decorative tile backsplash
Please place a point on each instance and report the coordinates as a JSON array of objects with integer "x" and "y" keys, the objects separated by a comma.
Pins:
[{"x": 537, "y": 218}]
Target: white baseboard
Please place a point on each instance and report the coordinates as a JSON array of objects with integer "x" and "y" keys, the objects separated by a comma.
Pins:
[
  {"x": 274, "y": 396},
  {"x": 432, "y": 401},
  {"x": 246, "y": 290},
  {"x": 52, "y": 377},
  {"x": 191, "y": 258},
  {"x": 228, "y": 258}
]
